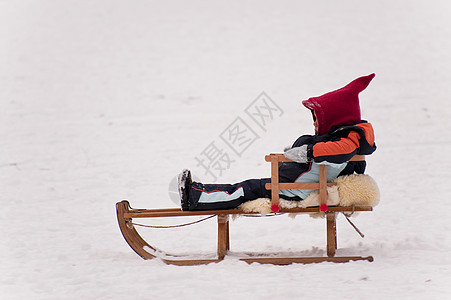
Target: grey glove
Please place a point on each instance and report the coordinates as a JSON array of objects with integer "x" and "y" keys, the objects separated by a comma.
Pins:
[{"x": 297, "y": 154}]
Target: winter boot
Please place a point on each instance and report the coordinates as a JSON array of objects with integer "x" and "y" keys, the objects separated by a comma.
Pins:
[{"x": 184, "y": 182}]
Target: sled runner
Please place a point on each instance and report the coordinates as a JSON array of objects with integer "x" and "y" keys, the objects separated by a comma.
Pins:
[{"x": 125, "y": 216}]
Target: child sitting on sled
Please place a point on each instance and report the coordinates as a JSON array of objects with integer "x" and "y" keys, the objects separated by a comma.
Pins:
[{"x": 339, "y": 135}]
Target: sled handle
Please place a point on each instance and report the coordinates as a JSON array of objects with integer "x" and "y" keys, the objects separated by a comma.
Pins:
[{"x": 275, "y": 186}]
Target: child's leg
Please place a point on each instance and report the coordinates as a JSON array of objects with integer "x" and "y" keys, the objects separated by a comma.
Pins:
[{"x": 226, "y": 196}]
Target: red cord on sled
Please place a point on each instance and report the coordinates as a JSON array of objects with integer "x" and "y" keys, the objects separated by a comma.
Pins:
[{"x": 275, "y": 208}]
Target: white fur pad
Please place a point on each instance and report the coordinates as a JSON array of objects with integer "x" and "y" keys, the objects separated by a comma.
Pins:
[
  {"x": 358, "y": 189},
  {"x": 355, "y": 189}
]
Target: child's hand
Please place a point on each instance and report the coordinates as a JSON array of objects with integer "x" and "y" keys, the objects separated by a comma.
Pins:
[{"x": 297, "y": 154}]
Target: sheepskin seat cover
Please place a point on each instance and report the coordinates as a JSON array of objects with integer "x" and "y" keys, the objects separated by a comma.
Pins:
[{"x": 355, "y": 189}]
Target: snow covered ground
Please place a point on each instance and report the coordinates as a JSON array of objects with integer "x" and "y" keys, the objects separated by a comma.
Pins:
[{"x": 108, "y": 100}]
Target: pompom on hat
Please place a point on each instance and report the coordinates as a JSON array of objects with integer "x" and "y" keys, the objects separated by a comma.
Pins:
[{"x": 339, "y": 107}]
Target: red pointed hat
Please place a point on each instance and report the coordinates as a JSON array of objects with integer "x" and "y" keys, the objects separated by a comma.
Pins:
[{"x": 340, "y": 107}]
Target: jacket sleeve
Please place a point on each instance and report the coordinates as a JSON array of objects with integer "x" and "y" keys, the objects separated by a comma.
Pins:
[
  {"x": 358, "y": 140},
  {"x": 338, "y": 151},
  {"x": 302, "y": 140}
]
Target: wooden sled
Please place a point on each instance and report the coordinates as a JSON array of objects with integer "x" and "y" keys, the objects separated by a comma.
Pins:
[{"x": 125, "y": 215}]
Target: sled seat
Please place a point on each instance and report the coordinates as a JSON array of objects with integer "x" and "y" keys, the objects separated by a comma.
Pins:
[{"x": 125, "y": 215}]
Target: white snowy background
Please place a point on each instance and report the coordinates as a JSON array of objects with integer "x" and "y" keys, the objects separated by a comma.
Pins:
[{"x": 108, "y": 100}]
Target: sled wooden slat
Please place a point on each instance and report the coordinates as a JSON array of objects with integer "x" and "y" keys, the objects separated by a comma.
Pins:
[
  {"x": 126, "y": 214},
  {"x": 299, "y": 185},
  {"x": 155, "y": 213},
  {"x": 304, "y": 260},
  {"x": 223, "y": 235},
  {"x": 331, "y": 233},
  {"x": 322, "y": 184},
  {"x": 274, "y": 180}
]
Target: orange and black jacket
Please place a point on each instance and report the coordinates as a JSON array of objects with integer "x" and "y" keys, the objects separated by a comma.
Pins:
[{"x": 340, "y": 144}]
